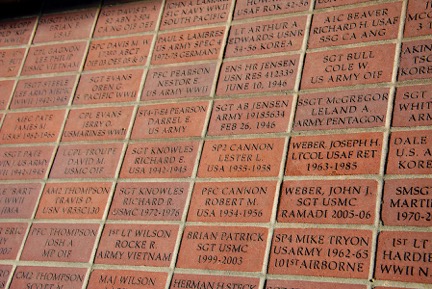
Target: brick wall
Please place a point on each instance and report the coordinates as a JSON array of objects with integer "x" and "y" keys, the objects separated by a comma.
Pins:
[{"x": 216, "y": 144}]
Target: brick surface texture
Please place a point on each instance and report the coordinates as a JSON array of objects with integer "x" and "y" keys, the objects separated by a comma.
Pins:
[{"x": 216, "y": 144}]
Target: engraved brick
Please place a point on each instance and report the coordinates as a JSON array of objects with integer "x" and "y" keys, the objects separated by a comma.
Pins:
[
  {"x": 178, "y": 14},
  {"x": 118, "y": 52},
  {"x": 48, "y": 277},
  {"x": 179, "y": 82},
  {"x": 160, "y": 160},
  {"x": 6, "y": 88},
  {"x": 170, "y": 120},
  {"x": 11, "y": 60},
  {"x": 73, "y": 201},
  {"x": 108, "y": 87},
  {"x": 412, "y": 106},
  {"x": 330, "y": 253},
  {"x": 328, "y": 202},
  {"x": 339, "y": 110},
  {"x": 245, "y": 202},
  {"x": 414, "y": 60},
  {"x": 241, "y": 158},
  {"x": 251, "y": 115},
  {"x": 16, "y": 32},
  {"x": 32, "y": 127},
  {"x": 24, "y": 163},
  {"x": 272, "y": 284},
  {"x": 127, "y": 279},
  {"x": 60, "y": 242},
  {"x": 54, "y": 58},
  {"x": 410, "y": 153},
  {"x": 191, "y": 45},
  {"x": 43, "y": 92},
  {"x": 266, "y": 37},
  {"x": 358, "y": 25},
  {"x": 137, "y": 245},
  {"x": 405, "y": 203},
  {"x": 346, "y": 154},
  {"x": 11, "y": 237},
  {"x": 258, "y": 75},
  {"x": 417, "y": 21},
  {"x": 65, "y": 26},
  {"x": 86, "y": 161},
  {"x": 127, "y": 18},
  {"x": 149, "y": 201},
  {"x": 248, "y": 9},
  {"x": 17, "y": 201},
  {"x": 334, "y": 3},
  {"x": 223, "y": 248},
  {"x": 223, "y": 282},
  {"x": 5, "y": 271},
  {"x": 105, "y": 123},
  {"x": 404, "y": 256},
  {"x": 350, "y": 66}
]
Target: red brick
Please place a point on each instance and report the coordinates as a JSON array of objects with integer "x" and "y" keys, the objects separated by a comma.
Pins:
[
  {"x": 73, "y": 201},
  {"x": 6, "y": 88},
  {"x": 54, "y": 58},
  {"x": 32, "y": 127},
  {"x": 60, "y": 242},
  {"x": 65, "y": 26},
  {"x": 414, "y": 60},
  {"x": 170, "y": 120},
  {"x": 108, "y": 87},
  {"x": 183, "y": 13},
  {"x": 341, "y": 110},
  {"x": 273, "y": 284},
  {"x": 328, "y": 202},
  {"x": 24, "y": 163},
  {"x": 241, "y": 158},
  {"x": 404, "y": 203},
  {"x": 160, "y": 160},
  {"x": 11, "y": 60},
  {"x": 86, "y": 161},
  {"x": 412, "y": 106},
  {"x": 48, "y": 277},
  {"x": 17, "y": 201},
  {"x": 137, "y": 245},
  {"x": 350, "y": 66},
  {"x": 248, "y": 9},
  {"x": 127, "y": 279},
  {"x": 222, "y": 282},
  {"x": 338, "y": 253},
  {"x": 330, "y": 155},
  {"x": 245, "y": 202},
  {"x": 179, "y": 82},
  {"x": 190, "y": 45},
  {"x": 251, "y": 115},
  {"x": 166, "y": 201},
  {"x": 258, "y": 75},
  {"x": 404, "y": 256},
  {"x": 16, "y": 31},
  {"x": 118, "y": 52},
  {"x": 358, "y": 25},
  {"x": 127, "y": 18},
  {"x": 105, "y": 123},
  {"x": 333, "y": 3},
  {"x": 266, "y": 37},
  {"x": 11, "y": 236},
  {"x": 410, "y": 152},
  {"x": 5, "y": 271},
  {"x": 223, "y": 248},
  {"x": 417, "y": 21},
  {"x": 43, "y": 92}
]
